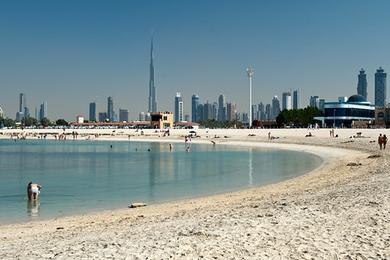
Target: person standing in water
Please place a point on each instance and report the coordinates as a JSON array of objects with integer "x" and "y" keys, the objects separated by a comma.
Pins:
[{"x": 33, "y": 190}]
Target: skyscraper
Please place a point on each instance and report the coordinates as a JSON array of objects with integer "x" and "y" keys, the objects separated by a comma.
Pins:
[
  {"x": 92, "y": 111},
  {"x": 296, "y": 103},
  {"x": 362, "y": 84},
  {"x": 221, "y": 108},
  {"x": 179, "y": 108},
  {"x": 194, "y": 108},
  {"x": 152, "y": 88},
  {"x": 380, "y": 88},
  {"x": 43, "y": 110},
  {"x": 110, "y": 109},
  {"x": 22, "y": 102},
  {"x": 123, "y": 115},
  {"x": 268, "y": 112},
  {"x": 20, "y": 115},
  {"x": 314, "y": 101},
  {"x": 275, "y": 107},
  {"x": 231, "y": 111},
  {"x": 286, "y": 101}
]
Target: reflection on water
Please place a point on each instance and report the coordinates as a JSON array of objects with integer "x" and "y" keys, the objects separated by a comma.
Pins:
[
  {"x": 87, "y": 176},
  {"x": 33, "y": 209}
]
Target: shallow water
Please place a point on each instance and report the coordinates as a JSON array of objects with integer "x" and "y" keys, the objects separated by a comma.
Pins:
[{"x": 84, "y": 176}]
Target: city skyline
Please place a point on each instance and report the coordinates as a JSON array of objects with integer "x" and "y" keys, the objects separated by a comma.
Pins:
[{"x": 104, "y": 51}]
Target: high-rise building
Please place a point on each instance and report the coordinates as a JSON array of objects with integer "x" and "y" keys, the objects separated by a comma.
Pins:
[
  {"x": 275, "y": 107},
  {"x": 296, "y": 103},
  {"x": 214, "y": 111},
  {"x": 200, "y": 113},
  {"x": 1, "y": 113},
  {"x": 380, "y": 88},
  {"x": 152, "y": 88},
  {"x": 179, "y": 108},
  {"x": 110, "y": 109},
  {"x": 208, "y": 111},
  {"x": 141, "y": 116},
  {"x": 231, "y": 111},
  {"x": 21, "y": 113},
  {"x": 286, "y": 101},
  {"x": 187, "y": 118},
  {"x": 221, "y": 108},
  {"x": 314, "y": 101},
  {"x": 43, "y": 110},
  {"x": 103, "y": 117},
  {"x": 123, "y": 115},
  {"x": 92, "y": 112},
  {"x": 362, "y": 84},
  {"x": 261, "y": 111},
  {"x": 194, "y": 108},
  {"x": 268, "y": 112},
  {"x": 22, "y": 102},
  {"x": 254, "y": 112},
  {"x": 321, "y": 104}
]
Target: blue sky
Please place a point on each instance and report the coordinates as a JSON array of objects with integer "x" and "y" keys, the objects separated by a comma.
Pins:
[{"x": 69, "y": 53}]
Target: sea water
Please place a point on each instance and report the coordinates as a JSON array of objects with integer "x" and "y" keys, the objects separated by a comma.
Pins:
[{"x": 84, "y": 176}]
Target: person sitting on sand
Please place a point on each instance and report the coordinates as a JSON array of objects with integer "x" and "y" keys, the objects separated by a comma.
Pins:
[{"x": 33, "y": 190}]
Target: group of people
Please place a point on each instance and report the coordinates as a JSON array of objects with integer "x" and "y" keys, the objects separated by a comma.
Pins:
[{"x": 382, "y": 141}]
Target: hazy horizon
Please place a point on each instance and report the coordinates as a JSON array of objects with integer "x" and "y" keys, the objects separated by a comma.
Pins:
[{"x": 70, "y": 53}]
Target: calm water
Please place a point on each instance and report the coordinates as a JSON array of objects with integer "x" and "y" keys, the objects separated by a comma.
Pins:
[{"x": 80, "y": 176}]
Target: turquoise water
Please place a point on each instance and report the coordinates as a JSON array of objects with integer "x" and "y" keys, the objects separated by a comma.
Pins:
[{"x": 83, "y": 176}]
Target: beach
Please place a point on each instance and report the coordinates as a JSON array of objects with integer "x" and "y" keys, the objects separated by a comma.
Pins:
[{"x": 334, "y": 212}]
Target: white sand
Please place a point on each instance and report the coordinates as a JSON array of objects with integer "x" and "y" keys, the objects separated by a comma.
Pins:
[{"x": 334, "y": 212}]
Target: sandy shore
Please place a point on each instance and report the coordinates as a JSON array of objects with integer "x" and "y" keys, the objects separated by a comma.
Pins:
[{"x": 334, "y": 212}]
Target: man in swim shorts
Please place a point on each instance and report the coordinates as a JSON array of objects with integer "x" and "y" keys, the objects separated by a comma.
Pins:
[{"x": 33, "y": 190}]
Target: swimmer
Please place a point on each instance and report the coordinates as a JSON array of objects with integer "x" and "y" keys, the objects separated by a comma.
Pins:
[{"x": 33, "y": 190}]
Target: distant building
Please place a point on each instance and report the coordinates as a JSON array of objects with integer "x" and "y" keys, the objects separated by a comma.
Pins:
[
  {"x": 194, "y": 108},
  {"x": 254, "y": 112},
  {"x": 1, "y": 113},
  {"x": 380, "y": 88},
  {"x": 314, "y": 101},
  {"x": 362, "y": 84},
  {"x": 214, "y": 111},
  {"x": 345, "y": 114},
  {"x": 187, "y": 118},
  {"x": 110, "y": 109},
  {"x": 103, "y": 117},
  {"x": 152, "y": 107},
  {"x": 179, "y": 108},
  {"x": 275, "y": 107},
  {"x": 268, "y": 112},
  {"x": 286, "y": 101},
  {"x": 261, "y": 111},
  {"x": 161, "y": 120},
  {"x": 221, "y": 108},
  {"x": 321, "y": 104},
  {"x": 80, "y": 119},
  {"x": 200, "y": 113},
  {"x": 231, "y": 111},
  {"x": 296, "y": 99},
  {"x": 123, "y": 115},
  {"x": 92, "y": 112},
  {"x": 23, "y": 111},
  {"x": 43, "y": 110},
  {"x": 343, "y": 99},
  {"x": 141, "y": 116}
]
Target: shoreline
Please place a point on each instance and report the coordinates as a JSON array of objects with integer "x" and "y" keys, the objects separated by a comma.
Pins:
[{"x": 266, "y": 206}]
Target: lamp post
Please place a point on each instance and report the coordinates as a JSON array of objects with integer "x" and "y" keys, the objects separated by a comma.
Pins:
[{"x": 250, "y": 72}]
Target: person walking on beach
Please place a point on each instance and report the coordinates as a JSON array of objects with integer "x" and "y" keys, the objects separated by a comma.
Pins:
[
  {"x": 384, "y": 141},
  {"x": 33, "y": 190},
  {"x": 380, "y": 140}
]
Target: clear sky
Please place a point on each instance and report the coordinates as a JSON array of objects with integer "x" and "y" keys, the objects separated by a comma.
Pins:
[{"x": 72, "y": 52}]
